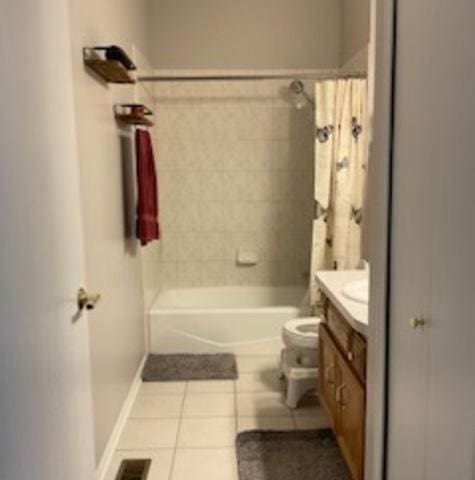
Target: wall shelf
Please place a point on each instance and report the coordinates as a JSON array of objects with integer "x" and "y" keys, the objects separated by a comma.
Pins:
[
  {"x": 111, "y": 70},
  {"x": 133, "y": 114}
]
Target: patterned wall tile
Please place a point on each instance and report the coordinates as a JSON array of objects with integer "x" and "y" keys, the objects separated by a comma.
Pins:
[
  {"x": 177, "y": 154},
  {"x": 258, "y": 125},
  {"x": 188, "y": 274},
  {"x": 188, "y": 247},
  {"x": 260, "y": 156},
  {"x": 213, "y": 246},
  {"x": 283, "y": 185},
  {"x": 213, "y": 273},
  {"x": 169, "y": 246},
  {"x": 235, "y": 162},
  {"x": 168, "y": 274},
  {"x": 211, "y": 217},
  {"x": 180, "y": 216},
  {"x": 213, "y": 186}
]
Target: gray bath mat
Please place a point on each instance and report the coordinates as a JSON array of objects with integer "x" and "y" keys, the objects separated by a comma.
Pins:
[
  {"x": 302, "y": 455},
  {"x": 183, "y": 366}
]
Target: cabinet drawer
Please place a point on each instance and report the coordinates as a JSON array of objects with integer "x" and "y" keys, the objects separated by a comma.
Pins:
[
  {"x": 339, "y": 327},
  {"x": 357, "y": 355}
]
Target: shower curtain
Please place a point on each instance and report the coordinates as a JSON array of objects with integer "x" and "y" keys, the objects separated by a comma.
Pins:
[{"x": 340, "y": 175}]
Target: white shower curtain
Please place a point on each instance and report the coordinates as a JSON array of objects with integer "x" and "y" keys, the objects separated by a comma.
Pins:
[{"x": 340, "y": 175}]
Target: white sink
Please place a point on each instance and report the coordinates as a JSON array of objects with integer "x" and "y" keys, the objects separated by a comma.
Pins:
[{"x": 357, "y": 291}]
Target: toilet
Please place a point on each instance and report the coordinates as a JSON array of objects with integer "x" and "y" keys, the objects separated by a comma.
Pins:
[{"x": 299, "y": 360}]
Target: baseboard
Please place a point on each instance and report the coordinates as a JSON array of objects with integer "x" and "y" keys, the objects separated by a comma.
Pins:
[{"x": 119, "y": 426}]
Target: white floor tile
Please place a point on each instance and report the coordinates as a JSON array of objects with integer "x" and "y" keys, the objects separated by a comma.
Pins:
[
  {"x": 207, "y": 432},
  {"x": 159, "y": 470},
  {"x": 267, "y": 381},
  {"x": 265, "y": 423},
  {"x": 261, "y": 405},
  {"x": 211, "y": 386},
  {"x": 158, "y": 406},
  {"x": 146, "y": 434},
  {"x": 209, "y": 405},
  {"x": 255, "y": 364},
  {"x": 316, "y": 421},
  {"x": 214, "y": 464},
  {"x": 154, "y": 388}
]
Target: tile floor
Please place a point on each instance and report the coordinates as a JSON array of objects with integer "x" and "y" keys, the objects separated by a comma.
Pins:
[{"x": 188, "y": 429}]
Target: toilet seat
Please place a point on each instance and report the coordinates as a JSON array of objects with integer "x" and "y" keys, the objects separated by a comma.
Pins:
[{"x": 302, "y": 332}]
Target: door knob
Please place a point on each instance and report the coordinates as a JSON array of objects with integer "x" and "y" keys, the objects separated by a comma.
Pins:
[
  {"x": 86, "y": 300},
  {"x": 417, "y": 322}
]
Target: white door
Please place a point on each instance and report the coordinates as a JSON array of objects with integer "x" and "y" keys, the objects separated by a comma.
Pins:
[
  {"x": 432, "y": 368},
  {"x": 45, "y": 398}
]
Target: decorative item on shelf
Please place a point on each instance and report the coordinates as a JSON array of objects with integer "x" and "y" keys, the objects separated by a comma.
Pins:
[
  {"x": 133, "y": 114},
  {"x": 110, "y": 63}
]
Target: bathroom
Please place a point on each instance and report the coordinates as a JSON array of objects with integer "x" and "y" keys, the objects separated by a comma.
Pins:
[
  {"x": 234, "y": 173},
  {"x": 234, "y": 143},
  {"x": 235, "y": 161}
]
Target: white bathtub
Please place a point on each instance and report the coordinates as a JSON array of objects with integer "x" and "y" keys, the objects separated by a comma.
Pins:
[{"x": 241, "y": 320}]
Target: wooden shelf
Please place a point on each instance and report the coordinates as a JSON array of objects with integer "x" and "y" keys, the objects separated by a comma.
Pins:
[
  {"x": 134, "y": 120},
  {"x": 112, "y": 71},
  {"x": 124, "y": 113}
]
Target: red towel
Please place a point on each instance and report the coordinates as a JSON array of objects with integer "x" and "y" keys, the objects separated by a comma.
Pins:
[{"x": 147, "y": 207}]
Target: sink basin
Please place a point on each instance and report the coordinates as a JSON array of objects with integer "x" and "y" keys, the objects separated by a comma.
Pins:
[{"x": 357, "y": 291}]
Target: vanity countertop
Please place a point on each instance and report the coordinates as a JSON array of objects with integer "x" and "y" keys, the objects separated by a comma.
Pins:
[{"x": 332, "y": 283}]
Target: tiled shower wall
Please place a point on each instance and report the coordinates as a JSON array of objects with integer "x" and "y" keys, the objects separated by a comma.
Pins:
[{"x": 235, "y": 162}]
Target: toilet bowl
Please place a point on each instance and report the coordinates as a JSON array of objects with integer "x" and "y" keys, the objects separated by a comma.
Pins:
[
  {"x": 299, "y": 360},
  {"x": 301, "y": 336}
]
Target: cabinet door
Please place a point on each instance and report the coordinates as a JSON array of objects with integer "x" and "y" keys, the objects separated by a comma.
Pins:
[
  {"x": 350, "y": 398},
  {"x": 328, "y": 373}
]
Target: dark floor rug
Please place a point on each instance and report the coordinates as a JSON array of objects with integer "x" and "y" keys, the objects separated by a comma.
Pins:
[
  {"x": 183, "y": 366},
  {"x": 293, "y": 455}
]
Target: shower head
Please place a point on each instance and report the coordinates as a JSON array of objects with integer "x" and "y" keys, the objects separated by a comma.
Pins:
[
  {"x": 300, "y": 97},
  {"x": 297, "y": 87}
]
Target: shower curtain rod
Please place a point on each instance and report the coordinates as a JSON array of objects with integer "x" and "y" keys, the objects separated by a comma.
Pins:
[{"x": 237, "y": 77}]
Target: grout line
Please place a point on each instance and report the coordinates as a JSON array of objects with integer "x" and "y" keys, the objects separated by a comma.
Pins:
[
  {"x": 172, "y": 464},
  {"x": 143, "y": 449}
]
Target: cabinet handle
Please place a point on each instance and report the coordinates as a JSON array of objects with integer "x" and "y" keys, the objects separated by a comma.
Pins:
[
  {"x": 350, "y": 356},
  {"x": 339, "y": 395},
  {"x": 329, "y": 369}
]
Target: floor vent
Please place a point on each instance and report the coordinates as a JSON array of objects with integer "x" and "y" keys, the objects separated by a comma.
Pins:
[{"x": 134, "y": 470}]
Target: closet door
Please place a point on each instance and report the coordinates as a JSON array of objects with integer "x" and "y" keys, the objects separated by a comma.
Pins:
[
  {"x": 432, "y": 366},
  {"x": 448, "y": 49},
  {"x": 410, "y": 261}
]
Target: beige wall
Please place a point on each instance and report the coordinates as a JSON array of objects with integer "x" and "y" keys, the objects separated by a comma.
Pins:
[
  {"x": 245, "y": 34},
  {"x": 236, "y": 170},
  {"x": 107, "y": 166},
  {"x": 355, "y": 26}
]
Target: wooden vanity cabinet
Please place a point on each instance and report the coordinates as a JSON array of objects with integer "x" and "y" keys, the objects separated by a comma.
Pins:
[
  {"x": 342, "y": 359},
  {"x": 351, "y": 418},
  {"x": 328, "y": 373}
]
